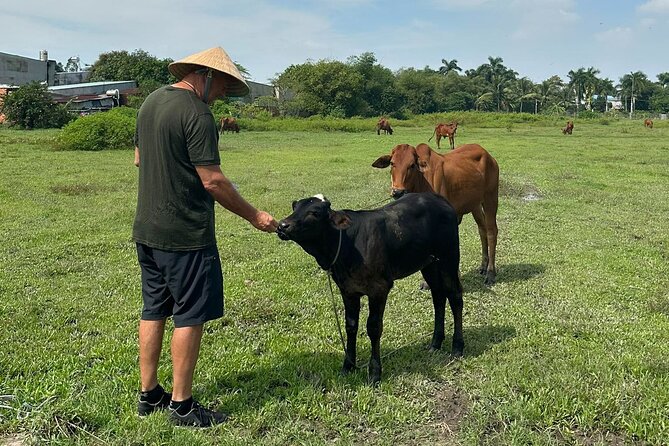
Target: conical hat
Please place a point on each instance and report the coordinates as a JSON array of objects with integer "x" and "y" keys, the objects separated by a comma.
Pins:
[{"x": 216, "y": 59}]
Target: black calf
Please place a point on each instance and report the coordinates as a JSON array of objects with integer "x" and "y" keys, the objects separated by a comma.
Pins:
[{"x": 367, "y": 250}]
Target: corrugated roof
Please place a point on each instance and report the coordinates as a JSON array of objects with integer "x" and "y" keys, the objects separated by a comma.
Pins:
[{"x": 87, "y": 84}]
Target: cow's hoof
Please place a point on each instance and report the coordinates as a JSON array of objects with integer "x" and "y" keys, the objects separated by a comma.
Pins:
[
  {"x": 347, "y": 368},
  {"x": 432, "y": 349},
  {"x": 374, "y": 380},
  {"x": 490, "y": 279}
]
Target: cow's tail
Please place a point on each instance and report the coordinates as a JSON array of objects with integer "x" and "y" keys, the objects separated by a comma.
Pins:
[{"x": 433, "y": 133}]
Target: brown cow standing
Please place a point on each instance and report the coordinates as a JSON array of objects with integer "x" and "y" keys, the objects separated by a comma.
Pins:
[
  {"x": 384, "y": 125},
  {"x": 444, "y": 130},
  {"x": 229, "y": 124},
  {"x": 567, "y": 130},
  {"x": 469, "y": 179},
  {"x": 648, "y": 123}
]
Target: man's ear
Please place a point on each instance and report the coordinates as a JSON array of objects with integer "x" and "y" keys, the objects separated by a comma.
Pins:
[
  {"x": 339, "y": 220},
  {"x": 382, "y": 162}
]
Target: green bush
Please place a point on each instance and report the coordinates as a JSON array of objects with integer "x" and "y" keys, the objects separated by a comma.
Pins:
[
  {"x": 100, "y": 131},
  {"x": 31, "y": 107}
]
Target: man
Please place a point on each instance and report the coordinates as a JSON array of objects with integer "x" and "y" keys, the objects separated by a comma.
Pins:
[{"x": 176, "y": 151}]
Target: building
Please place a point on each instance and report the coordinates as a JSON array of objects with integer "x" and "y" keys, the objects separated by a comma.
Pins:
[{"x": 73, "y": 88}]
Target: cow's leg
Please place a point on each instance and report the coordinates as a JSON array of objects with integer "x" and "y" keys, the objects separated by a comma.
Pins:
[
  {"x": 432, "y": 276},
  {"x": 377, "y": 306},
  {"x": 454, "y": 293},
  {"x": 480, "y": 219},
  {"x": 438, "y": 139},
  {"x": 451, "y": 140},
  {"x": 490, "y": 203},
  {"x": 352, "y": 316}
]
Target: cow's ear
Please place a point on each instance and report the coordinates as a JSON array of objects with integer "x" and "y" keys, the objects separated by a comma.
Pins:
[
  {"x": 382, "y": 162},
  {"x": 294, "y": 204},
  {"x": 340, "y": 220}
]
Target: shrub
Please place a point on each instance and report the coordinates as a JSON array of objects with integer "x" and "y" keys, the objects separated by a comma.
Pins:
[
  {"x": 110, "y": 130},
  {"x": 31, "y": 107}
]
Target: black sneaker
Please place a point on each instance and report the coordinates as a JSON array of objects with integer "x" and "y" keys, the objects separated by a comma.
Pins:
[
  {"x": 197, "y": 416},
  {"x": 156, "y": 399}
]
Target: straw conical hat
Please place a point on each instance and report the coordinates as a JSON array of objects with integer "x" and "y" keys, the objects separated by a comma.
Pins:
[{"x": 216, "y": 59}]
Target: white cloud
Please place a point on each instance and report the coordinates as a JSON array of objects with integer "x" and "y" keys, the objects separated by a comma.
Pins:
[
  {"x": 463, "y": 4},
  {"x": 617, "y": 37},
  {"x": 655, "y": 7}
]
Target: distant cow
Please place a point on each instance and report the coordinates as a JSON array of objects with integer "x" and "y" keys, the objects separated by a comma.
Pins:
[
  {"x": 443, "y": 131},
  {"x": 366, "y": 251},
  {"x": 229, "y": 124},
  {"x": 648, "y": 123},
  {"x": 469, "y": 179},
  {"x": 567, "y": 130},
  {"x": 384, "y": 125}
]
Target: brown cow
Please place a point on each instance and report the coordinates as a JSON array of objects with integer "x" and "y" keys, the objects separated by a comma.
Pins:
[
  {"x": 648, "y": 123},
  {"x": 567, "y": 130},
  {"x": 229, "y": 124},
  {"x": 469, "y": 179},
  {"x": 444, "y": 130},
  {"x": 384, "y": 125}
]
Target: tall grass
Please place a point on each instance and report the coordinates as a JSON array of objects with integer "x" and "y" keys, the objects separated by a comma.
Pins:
[{"x": 571, "y": 346}]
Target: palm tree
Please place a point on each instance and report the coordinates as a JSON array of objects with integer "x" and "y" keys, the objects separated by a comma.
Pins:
[
  {"x": 498, "y": 76},
  {"x": 243, "y": 71},
  {"x": 577, "y": 81},
  {"x": 590, "y": 83},
  {"x": 631, "y": 85},
  {"x": 549, "y": 90},
  {"x": 524, "y": 90},
  {"x": 449, "y": 66},
  {"x": 605, "y": 88}
]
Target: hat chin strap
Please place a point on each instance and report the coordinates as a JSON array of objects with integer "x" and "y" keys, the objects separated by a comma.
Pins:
[{"x": 207, "y": 85}]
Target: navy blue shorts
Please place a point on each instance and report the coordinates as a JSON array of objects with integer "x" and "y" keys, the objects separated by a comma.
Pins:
[{"x": 187, "y": 285}]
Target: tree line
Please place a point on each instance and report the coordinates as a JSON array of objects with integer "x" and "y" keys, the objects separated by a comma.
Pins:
[{"x": 360, "y": 86}]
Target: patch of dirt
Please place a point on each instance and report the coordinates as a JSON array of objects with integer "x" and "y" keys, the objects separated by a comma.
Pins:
[
  {"x": 12, "y": 440},
  {"x": 514, "y": 188},
  {"x": 451, "y": 407},
  {"x": 595, "y": 438}
]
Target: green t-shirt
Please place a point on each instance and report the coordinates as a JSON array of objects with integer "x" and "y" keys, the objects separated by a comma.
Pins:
[{"x": 175, "y": 132}]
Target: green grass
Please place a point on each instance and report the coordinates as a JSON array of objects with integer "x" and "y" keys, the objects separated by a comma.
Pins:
[{"x": 571, "y": 346}]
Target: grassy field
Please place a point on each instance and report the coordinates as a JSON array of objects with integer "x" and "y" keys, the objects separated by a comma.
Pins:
[{"x": 571, "y": 346}]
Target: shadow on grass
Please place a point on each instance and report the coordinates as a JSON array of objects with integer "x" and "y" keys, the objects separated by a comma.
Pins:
[
  {"x": 294, "y": 376},
  {"x": 505, "y": 274}
]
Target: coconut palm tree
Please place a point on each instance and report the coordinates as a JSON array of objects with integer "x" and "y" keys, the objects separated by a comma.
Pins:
[
  {"x": 449, "y": 66},
  {"x": 577, "y": 80},
  {"x": 631, "y": 85},
  {"x": 663, "y": 79},
  {"x": 549, "y": 90},
  {"x": 590, "y": 82},
  {"x": 524, "y": 90},
  {"x": 605, "y": 88}
]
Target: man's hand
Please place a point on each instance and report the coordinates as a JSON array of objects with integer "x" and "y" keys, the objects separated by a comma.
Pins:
[{"x": 265, "y": 222}]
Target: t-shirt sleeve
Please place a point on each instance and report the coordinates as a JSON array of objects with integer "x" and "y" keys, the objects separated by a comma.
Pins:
[{"x": 202, "y": 141}]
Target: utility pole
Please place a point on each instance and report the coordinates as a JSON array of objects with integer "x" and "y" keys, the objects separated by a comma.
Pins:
[{"x": 632, "y": 97}]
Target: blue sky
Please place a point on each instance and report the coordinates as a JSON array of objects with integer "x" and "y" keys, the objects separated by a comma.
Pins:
[{"x": 536, "y": 38}]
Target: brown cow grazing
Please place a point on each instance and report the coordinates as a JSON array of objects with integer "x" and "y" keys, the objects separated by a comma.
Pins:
[
  {"x": 469, "y": 179},
  {"x": 648, "y": 123},
  {"x": 384, "y": 125},
  {"x": 229, "y": 124},
  {"x": 567, "y": 130},
  {"x": 444, "y": 130}
]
